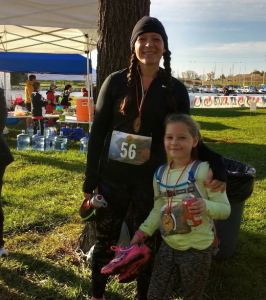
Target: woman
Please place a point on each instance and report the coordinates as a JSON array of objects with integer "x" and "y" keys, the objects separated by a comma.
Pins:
[
  {"x": 65, "y": 96},
  {"x": 5, "y": 159},
  {"x": 134, "y": 101}
]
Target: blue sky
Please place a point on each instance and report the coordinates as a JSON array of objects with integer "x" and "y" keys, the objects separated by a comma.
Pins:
[{"x": 202, "y": 33}]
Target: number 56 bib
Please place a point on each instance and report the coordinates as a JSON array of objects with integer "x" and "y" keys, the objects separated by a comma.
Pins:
[{"x": 130, "y": 148}]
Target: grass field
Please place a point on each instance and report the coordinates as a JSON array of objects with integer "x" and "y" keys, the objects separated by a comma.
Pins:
[{"x": 42, "y": 193}]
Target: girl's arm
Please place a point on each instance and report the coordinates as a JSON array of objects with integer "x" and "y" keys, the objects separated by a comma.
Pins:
[
  {"x": 152, "y": 222},
  {"x": 99, "y": 130}
]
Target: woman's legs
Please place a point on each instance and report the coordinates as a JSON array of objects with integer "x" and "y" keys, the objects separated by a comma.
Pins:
[
  {"x": 108, "y": 227},
  {"x": 2, "y": 171},
  {"x": 162, "y": 279}
]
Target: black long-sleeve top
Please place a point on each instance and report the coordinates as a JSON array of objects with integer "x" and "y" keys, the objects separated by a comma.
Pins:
[
  {"x": 5, "y": 155},
  {"x": 37, "y": 104},
  {"x": 154, "y": 112}
]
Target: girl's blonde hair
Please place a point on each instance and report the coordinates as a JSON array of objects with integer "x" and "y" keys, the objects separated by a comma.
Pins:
[{"x": 193, "y": 127}]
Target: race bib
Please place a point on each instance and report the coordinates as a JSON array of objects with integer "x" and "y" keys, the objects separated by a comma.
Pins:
[{"x": 130, "y": 148}]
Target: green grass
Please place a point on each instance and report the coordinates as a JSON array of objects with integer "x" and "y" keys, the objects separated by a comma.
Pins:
[{"x": 42, "y": 193}]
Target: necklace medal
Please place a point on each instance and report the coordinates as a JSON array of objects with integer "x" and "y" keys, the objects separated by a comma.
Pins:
[
  {"x": 167, "y": 223},
  {"x": 137, "y": 124},
  {"x": 167, "y": 219}
]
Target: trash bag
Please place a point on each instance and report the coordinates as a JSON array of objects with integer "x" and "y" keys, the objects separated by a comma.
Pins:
[{"x": 240, "y": 180}]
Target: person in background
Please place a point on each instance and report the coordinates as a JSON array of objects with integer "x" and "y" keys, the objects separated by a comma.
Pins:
[
  {"x": 84, "y": 92},
  {"x": 38, "y": 103},
  {"x": 51, "y": 107},
  {"x": 28, "y": 92},
  {"x": 5, "y": 159},
  {"x": 65, "y": 96}
]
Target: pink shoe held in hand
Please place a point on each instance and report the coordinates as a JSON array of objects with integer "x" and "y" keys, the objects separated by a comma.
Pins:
[
  {"x": 125, "y": 257},
  {"x": 131, "y": 273}
]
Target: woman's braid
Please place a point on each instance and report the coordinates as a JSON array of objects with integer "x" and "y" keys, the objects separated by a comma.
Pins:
[
  {"x": 169, "y": 84},
  {"x": 131, "y": 79}
]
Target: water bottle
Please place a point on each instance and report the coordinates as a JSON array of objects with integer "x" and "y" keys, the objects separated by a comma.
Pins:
[
  {"x": 46, "y": 131},
  {"x": 38, "y": 142},
  {"x": 88, "y": 208},
  {"x": 30, "y": 131},
  {"x": 84, "y": 144},
  {"x": 50, "y": 142},
  {"x": 23, "y": 141},
  {"x": 61, "y": 142}
]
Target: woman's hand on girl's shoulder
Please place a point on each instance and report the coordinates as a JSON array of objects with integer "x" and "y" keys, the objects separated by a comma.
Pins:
[{"x": 214, "y": 184}]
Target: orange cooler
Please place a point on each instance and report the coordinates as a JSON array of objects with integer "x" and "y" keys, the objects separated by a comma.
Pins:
[{"x": 82, "y": 109}]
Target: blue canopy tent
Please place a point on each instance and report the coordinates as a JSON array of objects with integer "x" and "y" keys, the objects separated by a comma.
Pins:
[{"x": 73, "y": 64}]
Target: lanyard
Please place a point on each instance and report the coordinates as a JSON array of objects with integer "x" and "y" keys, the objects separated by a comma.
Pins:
[
  {"x": 169, "y": 202},
  {"x": 139, "y": 107}
]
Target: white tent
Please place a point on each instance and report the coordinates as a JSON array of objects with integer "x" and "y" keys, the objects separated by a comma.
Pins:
[{"x": 48, "y": 26}]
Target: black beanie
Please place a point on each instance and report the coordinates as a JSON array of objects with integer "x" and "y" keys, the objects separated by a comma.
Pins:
[{"x": 148, "y": 24}]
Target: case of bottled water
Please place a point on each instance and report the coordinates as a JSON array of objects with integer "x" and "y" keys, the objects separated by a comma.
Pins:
[
  {"x": 50, "y": 142},
  {"x": 38, "y": 142},
  {"x": 23, "y": 141},
  {"x": 61, "y": 142},
  {"x": 84, "y": 144},
  {"x": 46, "y": 131},
  {"x": 30, "y": 131}
]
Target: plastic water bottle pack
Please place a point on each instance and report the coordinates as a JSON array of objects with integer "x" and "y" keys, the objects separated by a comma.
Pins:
[
  {"x": 30, "y": 131},
  {"x": 38, "y": 142},
  {"x": 84, "y": 144},
  {"x": 23, "y": 141},
  {"x": 61, "y": 143},
  {"x": 50, "y": 142},
  {"x": 46, "y": 131}
]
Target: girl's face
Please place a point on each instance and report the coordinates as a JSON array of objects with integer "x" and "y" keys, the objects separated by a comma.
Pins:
[
  {"x": 178, "y": 141},
  {"x": 149, "y": 48},
  {"x": 70, "y": 88}
]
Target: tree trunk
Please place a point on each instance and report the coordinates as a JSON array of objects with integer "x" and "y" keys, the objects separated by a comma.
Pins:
[{"x": 116, "y": 20}]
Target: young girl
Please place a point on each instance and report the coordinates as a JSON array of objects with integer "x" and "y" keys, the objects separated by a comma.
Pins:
[{"x": 184, "y": 247}]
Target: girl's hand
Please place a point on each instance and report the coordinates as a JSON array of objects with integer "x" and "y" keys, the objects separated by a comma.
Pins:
[
  {"x": 88, "y": 196},
  {"x": 214, "y": 184},
  {"x": 198, "y": 208},
  {"x": 136, "y": 240}
]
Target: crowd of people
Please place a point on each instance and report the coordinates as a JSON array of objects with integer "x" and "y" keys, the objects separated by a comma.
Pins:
[{"x": 145, "y": 102}]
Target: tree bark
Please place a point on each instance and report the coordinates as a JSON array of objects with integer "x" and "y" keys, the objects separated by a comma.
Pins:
[{"x": 116, "y": 20}]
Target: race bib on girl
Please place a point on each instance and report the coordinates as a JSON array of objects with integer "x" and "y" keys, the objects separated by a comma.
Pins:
[{"x": 130, "y": 148}]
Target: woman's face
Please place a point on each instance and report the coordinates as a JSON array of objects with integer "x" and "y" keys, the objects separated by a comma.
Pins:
[{"x": 149, "y": 48}]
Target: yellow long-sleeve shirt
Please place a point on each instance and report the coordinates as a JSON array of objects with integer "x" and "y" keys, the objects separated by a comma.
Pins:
[
  {"x": 217, "y": 207},
  {"x": 28, "y": 91}
]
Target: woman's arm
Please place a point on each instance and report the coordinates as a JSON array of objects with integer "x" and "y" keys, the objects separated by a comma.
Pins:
[
  {"x": 215, "y": 160},
  {"x": 99, "y": 130}
]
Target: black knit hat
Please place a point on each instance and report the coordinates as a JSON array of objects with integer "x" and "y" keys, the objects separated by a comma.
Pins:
[{"x": 148, "y": 24}]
